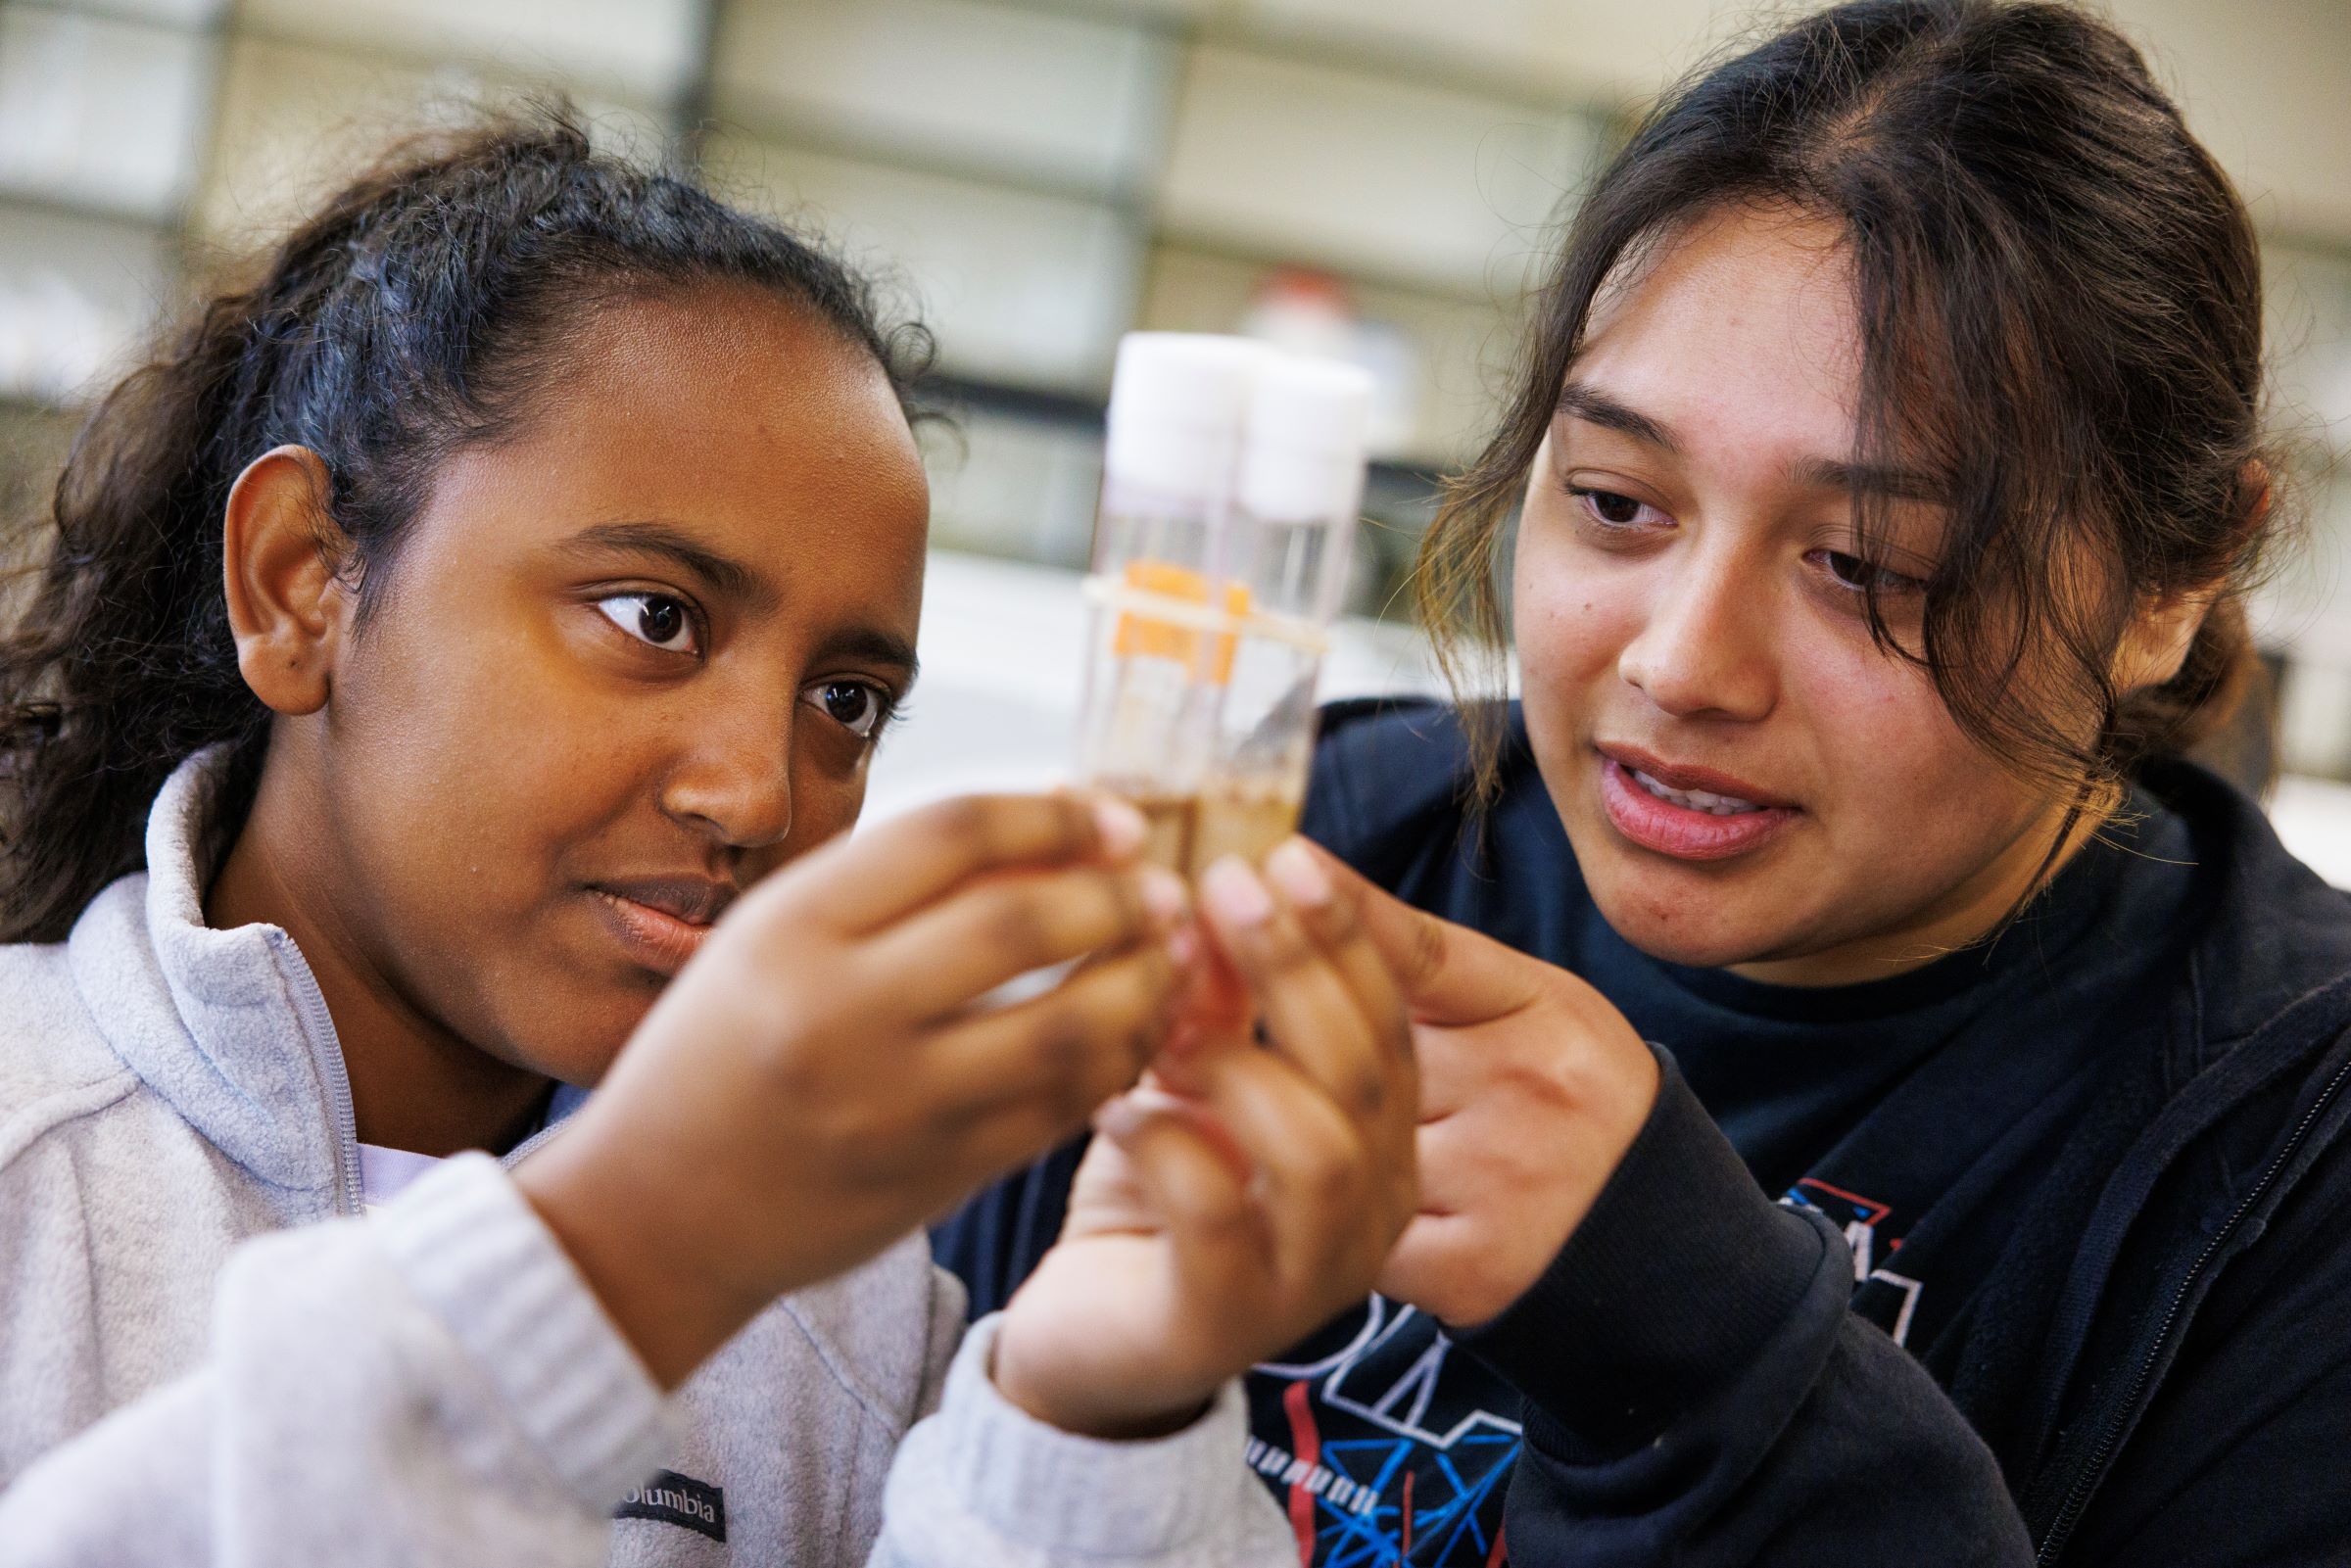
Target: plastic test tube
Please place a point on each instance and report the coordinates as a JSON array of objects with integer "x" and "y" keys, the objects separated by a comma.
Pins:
[{"x": 1231, "y": 478}]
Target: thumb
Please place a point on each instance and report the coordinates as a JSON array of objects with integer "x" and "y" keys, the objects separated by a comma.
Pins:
[{"x": 1450, "y": 975}]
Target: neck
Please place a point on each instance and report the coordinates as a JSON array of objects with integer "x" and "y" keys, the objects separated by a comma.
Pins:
[
  {"x": 414, "y": 1085},
  {"x": 1968, "y": 914}
]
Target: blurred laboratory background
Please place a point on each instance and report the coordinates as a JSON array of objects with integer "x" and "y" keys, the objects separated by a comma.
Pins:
[{"x": 1376, "y": 179}]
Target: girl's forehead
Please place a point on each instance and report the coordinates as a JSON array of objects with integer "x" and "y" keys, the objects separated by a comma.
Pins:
[
  {"x": 1730, "y": 284},
  {"x": 759, "y": 361},
  {"x": 747, "y": 426},
  {"x": 733, "y": 392},
  {"x": 1736, "y": 333}
]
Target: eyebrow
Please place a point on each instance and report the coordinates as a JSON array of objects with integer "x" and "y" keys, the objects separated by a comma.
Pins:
[
  {"x": 1870, "y": 479},
  {"x": 1595, "y": 407},
  {"x": 723, "y": 573},
  {"x": 879, "y": 647},
  {"x": 736, "y": 580}
]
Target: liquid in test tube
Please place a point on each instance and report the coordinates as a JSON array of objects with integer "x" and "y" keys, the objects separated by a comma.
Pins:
[{"x": 1231, "y": 478}]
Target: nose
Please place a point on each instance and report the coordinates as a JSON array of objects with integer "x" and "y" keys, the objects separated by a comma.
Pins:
[
  {"x": 1705, "y": 650},
  {"x": 734, "y": 783}
]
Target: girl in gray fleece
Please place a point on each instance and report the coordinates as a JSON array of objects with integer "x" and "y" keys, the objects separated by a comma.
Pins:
[{"x": 437, "y": 640}]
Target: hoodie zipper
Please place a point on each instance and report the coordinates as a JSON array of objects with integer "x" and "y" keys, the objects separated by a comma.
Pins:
[
  {"x": 326, "y": 1051},
  {"x": 2076, "y": 1497},
  {"x": 530, "y": 1143}
]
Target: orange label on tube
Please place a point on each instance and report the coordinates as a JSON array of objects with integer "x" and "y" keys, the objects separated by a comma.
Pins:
[{"x": 1139, "y": 634}]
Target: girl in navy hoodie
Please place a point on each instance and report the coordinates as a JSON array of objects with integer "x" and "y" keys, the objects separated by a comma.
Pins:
[{"x": 1881, "y": 1105}]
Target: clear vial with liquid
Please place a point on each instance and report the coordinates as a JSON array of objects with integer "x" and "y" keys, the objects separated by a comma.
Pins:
[{"x": 1231, "y": 481}]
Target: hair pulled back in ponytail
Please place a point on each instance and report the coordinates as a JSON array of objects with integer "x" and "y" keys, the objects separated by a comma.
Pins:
[
  {"x": 420, "y": 311},
  {"x": 2060, "y": 305}
]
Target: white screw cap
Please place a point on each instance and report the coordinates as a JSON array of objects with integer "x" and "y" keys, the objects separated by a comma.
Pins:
[
  {"x": 1178, "y": 402},
  {"x": 1306, "y": 439}
]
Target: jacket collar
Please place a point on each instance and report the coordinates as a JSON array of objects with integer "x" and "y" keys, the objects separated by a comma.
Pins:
[{"x": 228, "y": 1026}]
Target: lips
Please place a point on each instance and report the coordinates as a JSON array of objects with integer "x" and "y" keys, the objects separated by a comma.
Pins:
[
  {"x": 662, "y": 920},
  {"x": 1687, "y": 813}
]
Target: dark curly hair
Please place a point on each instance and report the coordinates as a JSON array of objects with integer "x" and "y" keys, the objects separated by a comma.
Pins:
[{"x": 421, "y": 310}]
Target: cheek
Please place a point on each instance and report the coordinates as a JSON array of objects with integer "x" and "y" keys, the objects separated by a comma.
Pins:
[
  {"x": 477, "y": 749},
  {"x": 826, "y": 798},
  {"x": 1571, "y": 618},
  {"x": 1902, "y": 776}
]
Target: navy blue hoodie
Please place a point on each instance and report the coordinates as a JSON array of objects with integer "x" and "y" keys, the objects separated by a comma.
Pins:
[{"x": 2040, "y": 1252}]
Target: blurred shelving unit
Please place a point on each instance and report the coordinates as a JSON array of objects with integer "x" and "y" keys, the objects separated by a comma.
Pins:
[
  {"x": 2304, "y": 613},
  {"x": 1048, "y": 176},
  {"x": 1038, "y": 176},
  {"x": 1034, "y": 178}
]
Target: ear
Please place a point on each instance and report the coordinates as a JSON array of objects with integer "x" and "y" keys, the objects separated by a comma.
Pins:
[
  {"x": 2158, "y": 639},
  {"x": 2157, "y": 642},
  {"x": 281, "y": 560}
]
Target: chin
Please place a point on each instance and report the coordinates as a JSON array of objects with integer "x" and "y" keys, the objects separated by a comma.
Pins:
[
  {"x": 1700, "y": 914},
  {"x": 577, "y": 1044},
  {"x": 1695, "y": 915},
  {"x": 1674, "y": 936}
]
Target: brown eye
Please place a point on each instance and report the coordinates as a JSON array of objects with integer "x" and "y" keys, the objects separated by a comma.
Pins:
[
  {"x": 1611, "y": 509},
  {"x": 654, "y": 618},
  {"x": 855, "y": 705},
  {"x": 1851, "y": 571}
]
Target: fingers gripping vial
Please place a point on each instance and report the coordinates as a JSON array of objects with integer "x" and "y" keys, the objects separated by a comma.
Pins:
[{"x": 1231, "y": 483}]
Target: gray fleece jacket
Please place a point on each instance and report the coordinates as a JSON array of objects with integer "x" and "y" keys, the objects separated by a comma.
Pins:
[{"x": 208, "y": 1358}]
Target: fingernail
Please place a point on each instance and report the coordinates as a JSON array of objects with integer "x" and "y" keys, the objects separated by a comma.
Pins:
[
  {"x": 1118, "y": 1117},
  {"x": 1121, "y": 1115},
  {"x": 1165, "y": 897},
  {"x": 1293, "y": 868},
  {"x": 1179, "y": 1047},
  {"x": 1232, "y": 891},
  {"x": 1183, "y": 947},
  {"x": 1120, "y": 827}
]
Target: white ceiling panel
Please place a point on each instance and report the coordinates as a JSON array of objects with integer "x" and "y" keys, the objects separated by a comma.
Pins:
[
  {"x": 1034, "y": 94},
  {"x": 640, "y": 49},
  {"x": 1364, "y": 174},
  {"x": 100, "y": 112},
  {"x": 77, "y": 295},
  {"x": 1029, "y": 290},
  {"x": 295, "y": 121},
  {"x": 183, "y": 13}
]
